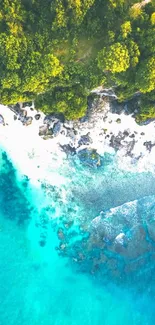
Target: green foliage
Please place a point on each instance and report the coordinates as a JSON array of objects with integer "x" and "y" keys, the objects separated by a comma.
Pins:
[
  {"x": 126, "y": 29},
  {"x": 114, "y": 59},
  {"x": 71, "y": 102},
  {"x": 145, "y": 78},
  {"x": 153, "y": 18},
  {"x": 55, "y": 52},
  {"x": 147, "y": 111}
]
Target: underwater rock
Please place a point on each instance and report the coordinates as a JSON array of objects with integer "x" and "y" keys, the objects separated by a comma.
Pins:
[
  {"x": 118, "y": 241},
  {"x": 60, "y": 234},
  {"x": 89, "y": 157}
]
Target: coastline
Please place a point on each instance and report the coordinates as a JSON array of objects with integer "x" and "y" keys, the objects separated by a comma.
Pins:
[
  {"x": 91, "y": 226},
  {"x": 101, "y": 131}
]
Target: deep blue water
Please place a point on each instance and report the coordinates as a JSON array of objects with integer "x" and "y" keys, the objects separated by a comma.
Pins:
[{"x": 61, "y": 266}]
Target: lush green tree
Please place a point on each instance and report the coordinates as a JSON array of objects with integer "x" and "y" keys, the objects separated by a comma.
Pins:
[
  {"x": 74, "y": 46},
  {"x": 126, "y": 29},
  {"x": 114, "y": 59},
  {"x": 145, "y": 76}
]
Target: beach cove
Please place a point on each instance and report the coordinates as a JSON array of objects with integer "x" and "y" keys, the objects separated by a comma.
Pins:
[{"x": 77, "y": 218}]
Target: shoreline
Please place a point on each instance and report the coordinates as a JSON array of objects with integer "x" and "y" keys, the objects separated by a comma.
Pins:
[{"x": 101, "y": 131}]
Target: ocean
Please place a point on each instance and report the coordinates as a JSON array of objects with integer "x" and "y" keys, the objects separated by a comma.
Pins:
[{"x": 78, "y": 251}]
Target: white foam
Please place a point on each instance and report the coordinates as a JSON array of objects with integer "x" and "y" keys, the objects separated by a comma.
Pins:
[
  {"x": 41, "y": 159},
  {"x": 32, "y": 155}
]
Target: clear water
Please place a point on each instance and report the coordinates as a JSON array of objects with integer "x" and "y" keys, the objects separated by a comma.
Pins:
[{"x": 61, "y": 266}]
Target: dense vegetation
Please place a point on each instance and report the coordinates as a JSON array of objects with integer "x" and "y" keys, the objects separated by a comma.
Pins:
[{"x": 55, "y": 51}]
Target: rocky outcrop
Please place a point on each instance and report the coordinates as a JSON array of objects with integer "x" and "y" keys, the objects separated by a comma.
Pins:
[
  {"x": 53, "y": 118},
  {"x": 149, "y": 145},
  {"x": 105, "y": 125},
  {"x": 68, "y": 149},
  {"x": 2, "y": 120}
]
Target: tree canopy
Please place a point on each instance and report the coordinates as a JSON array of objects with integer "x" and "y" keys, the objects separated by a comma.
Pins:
[{"x": 55, "y": 51}]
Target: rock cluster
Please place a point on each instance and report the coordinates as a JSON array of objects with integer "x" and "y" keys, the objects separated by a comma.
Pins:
[{"x": 102, "y": 126}]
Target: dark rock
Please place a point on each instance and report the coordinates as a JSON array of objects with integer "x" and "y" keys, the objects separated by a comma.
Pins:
[
  {"x": 27, "y": 104},
  {"x": 85, "y": 140},
  {"x": 37, "y": 116},
  {"x": 89, "y": 157},
  {"x": 71, "y": 133},
  {"x": 68, "y": 149},
  {"x": 132, "y": 136},
  {"x": 116, "y": 107},
  {"x": 28, "y": 120},
  {"x": 42, "y": 243},
  {"x": 46, "y": 132},
  {"x": 63, "y": 132},
  {"x": 149, "y": 145},
  {"x": 84, "y": 119},
  {"x": 126, "y": 133},
  {"x": 2, "y": 120},
  {"x": 15, "y": 117},
  {"x": 23, "y": 113},
  {"x": 53, "y": 118},
  {"x": 49, "y": 131},
  {"x": 130, "y": 146},
  {"x": 57, "y": 128},
  {"x": 142, "y": 133},
  {"x": 118, "y": 120},
  {"x": 148, "y": 121},
  {"x": 115, "y": 141},
  {"x": 43, "y": 130}
]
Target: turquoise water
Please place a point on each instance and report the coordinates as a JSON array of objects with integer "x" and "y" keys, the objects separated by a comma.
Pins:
[{"x": 59, "y": 265}]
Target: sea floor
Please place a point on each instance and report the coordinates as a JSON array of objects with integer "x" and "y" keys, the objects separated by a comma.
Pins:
[{"x": 56, "y": 268}]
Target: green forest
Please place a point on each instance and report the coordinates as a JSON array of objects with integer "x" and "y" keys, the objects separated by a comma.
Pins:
[{"x": 56, "y": 51}]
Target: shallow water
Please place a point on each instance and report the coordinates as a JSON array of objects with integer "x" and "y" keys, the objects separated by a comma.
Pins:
[{"x": 60, "y": 265}]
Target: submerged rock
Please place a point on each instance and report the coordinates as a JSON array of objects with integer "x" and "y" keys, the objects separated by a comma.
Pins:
[{"x": 89, "y": 157}]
